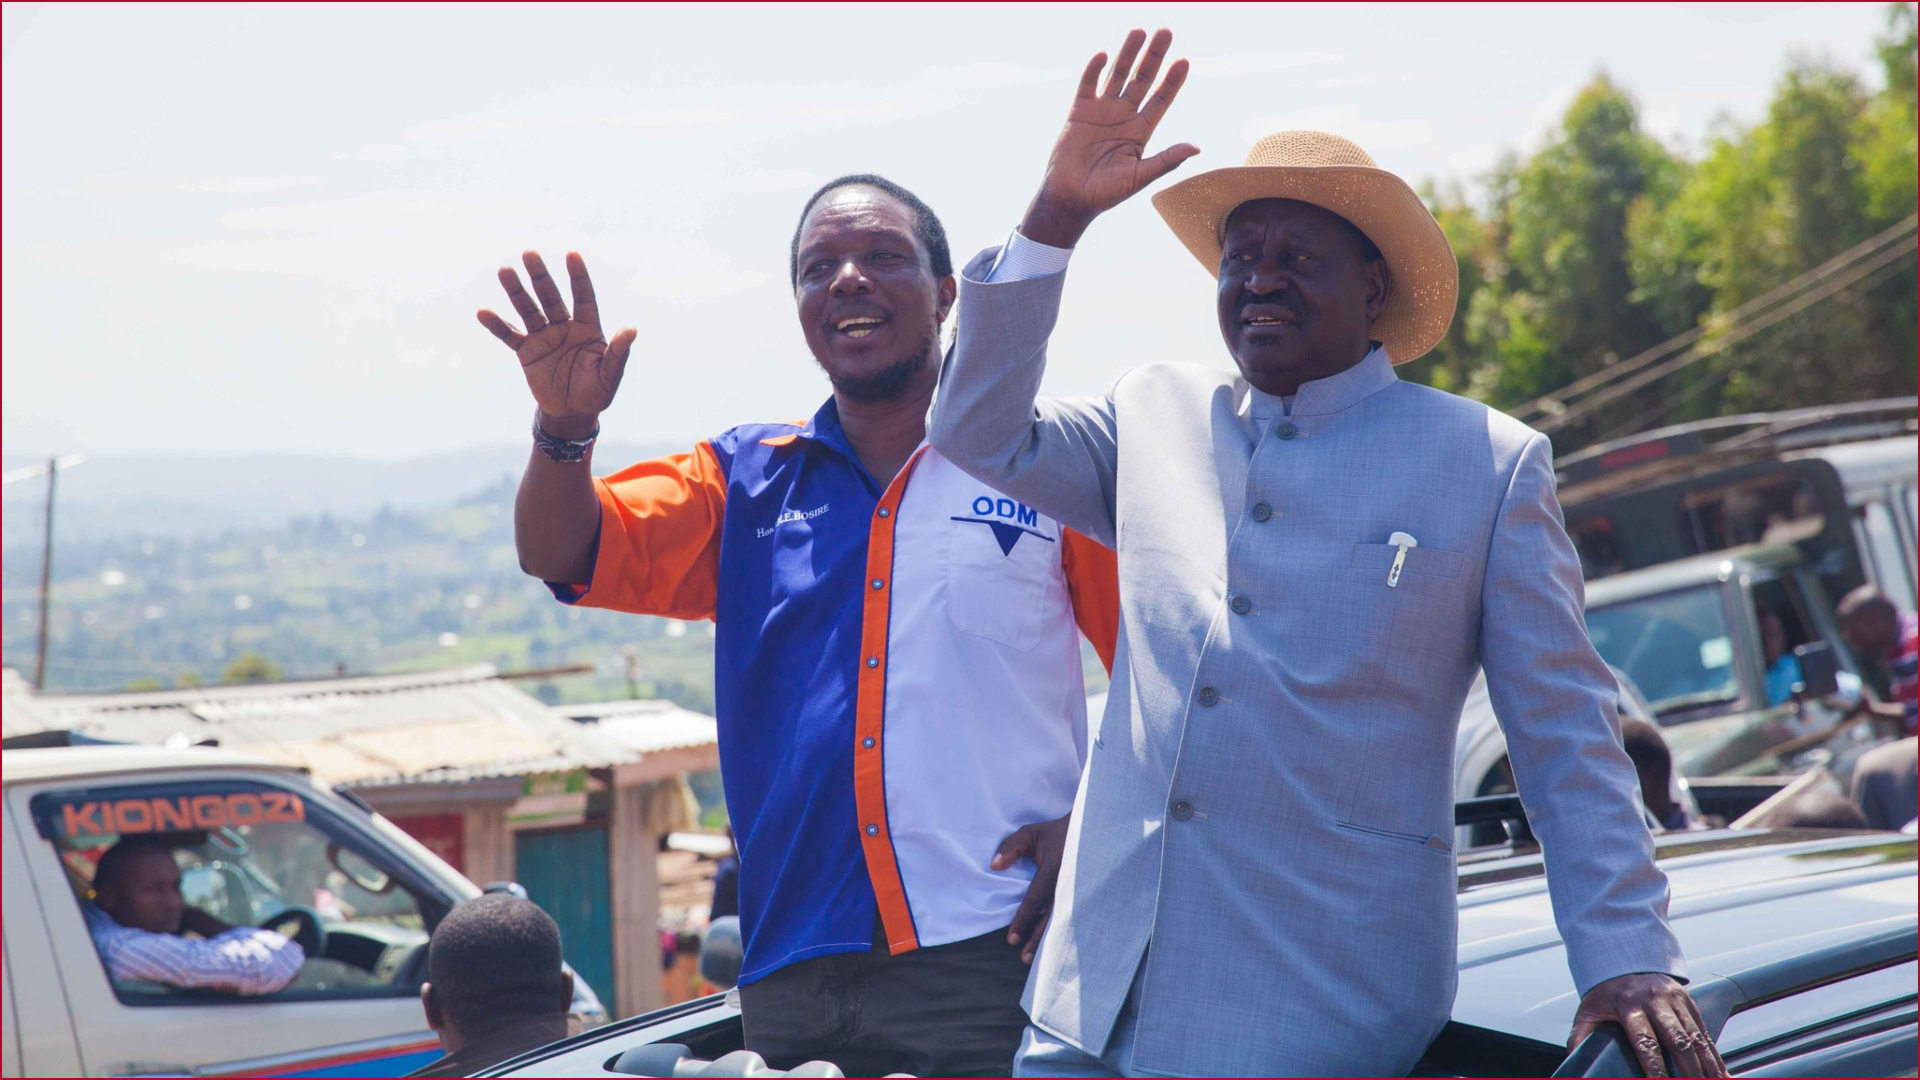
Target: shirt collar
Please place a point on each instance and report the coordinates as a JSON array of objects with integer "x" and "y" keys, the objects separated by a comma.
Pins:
[{"x": 1323, "y": 397}]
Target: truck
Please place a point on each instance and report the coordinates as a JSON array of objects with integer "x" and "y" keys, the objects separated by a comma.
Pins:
[{"x": 259, "y": 844}]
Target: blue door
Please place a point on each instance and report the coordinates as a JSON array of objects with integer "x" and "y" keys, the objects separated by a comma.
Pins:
[{"x": 565, "y": 872}]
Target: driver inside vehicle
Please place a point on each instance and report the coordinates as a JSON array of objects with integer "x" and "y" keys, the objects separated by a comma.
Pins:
[{"x": 139, "y": 922}]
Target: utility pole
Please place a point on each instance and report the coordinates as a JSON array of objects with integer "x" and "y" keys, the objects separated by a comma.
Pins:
[
  {"x": 52, "y": 470},
  {"x": 46, "y": 581}
]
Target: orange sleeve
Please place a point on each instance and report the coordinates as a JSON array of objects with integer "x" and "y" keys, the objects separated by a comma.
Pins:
[
  {"x": 1093, "y": 580},
  {"x": 659, "y": 548}
]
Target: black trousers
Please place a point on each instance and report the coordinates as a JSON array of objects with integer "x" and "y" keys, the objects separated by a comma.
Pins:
[{"x": 947, "y": 1010}]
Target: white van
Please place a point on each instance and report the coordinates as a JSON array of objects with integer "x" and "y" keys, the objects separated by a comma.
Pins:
[{"x": 258, "y": 844}]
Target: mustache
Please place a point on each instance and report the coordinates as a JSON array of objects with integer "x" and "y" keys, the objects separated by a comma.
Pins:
[{"x": 1291, "y": 306}]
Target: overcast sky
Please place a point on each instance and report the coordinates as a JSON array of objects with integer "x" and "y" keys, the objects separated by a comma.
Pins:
[{"x": 251, "y": 229}]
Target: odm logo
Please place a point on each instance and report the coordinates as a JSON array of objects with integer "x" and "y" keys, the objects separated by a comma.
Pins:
[{"x": 1009, "y": 520}]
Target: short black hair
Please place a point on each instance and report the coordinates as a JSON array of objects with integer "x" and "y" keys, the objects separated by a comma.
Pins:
[
  {"x": 495, "y": 959},
  {"x": 113, "y": 861},
  {"x": 1646, "y": 747},
  {"x": 926, "y": 224}
]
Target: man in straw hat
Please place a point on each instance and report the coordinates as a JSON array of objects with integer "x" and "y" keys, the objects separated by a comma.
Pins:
[{"x": 1314, "y": 557}]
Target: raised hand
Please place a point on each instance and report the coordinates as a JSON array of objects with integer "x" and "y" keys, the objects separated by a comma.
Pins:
[
  {"x": 570, "y": 367},
  {"x": 1100, "y": 158}
]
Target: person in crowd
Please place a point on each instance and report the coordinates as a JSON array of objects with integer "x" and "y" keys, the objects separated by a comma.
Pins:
[
  {"x": 1817, "y": 809},
  {"x": 726, "y": 883},
  {"x": 1653, "y": 764},
  {"x": 1890, "y": 640},
  {"x": 495, "y": 985},
  {"x": 901, "y": 710},
  {"x": 1783, "y": 668},
  {"x": 1315, "y": 558},
  {"x": 139, "y": 923},
  {"x": 1886, "y": 784}
]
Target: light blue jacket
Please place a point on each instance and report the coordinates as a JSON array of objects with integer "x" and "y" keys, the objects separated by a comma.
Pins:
[{"x": 1268, "y": 801}]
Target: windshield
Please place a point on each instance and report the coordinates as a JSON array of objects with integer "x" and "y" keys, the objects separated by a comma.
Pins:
[{"x": 1674, "y": 646}]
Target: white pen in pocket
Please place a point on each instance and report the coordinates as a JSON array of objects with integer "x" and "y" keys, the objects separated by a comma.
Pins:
[{"x": 1405, "y": 542}]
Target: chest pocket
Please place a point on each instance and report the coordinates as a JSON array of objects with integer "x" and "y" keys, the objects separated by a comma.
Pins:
[{"x": 1002, "y": 580}]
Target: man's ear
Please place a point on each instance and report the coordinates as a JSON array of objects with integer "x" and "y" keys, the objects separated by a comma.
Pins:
[
  {"x": 432, "y": 1005},
  {"x": 566, "y": 991},
  {"x": 1379, "y": 281},
  {"x": 948, "y": 291}
]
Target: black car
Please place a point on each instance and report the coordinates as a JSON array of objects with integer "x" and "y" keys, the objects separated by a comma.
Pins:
[{"x": 1802, "y": 946}]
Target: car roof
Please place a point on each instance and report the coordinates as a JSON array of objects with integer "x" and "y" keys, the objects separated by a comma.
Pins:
[
  {"x": 20, "y": 766},
  {"x": 1864, "y": 463},
  {"x": 1738, "y": 899},
  {"x": 1694, "y": 570}
]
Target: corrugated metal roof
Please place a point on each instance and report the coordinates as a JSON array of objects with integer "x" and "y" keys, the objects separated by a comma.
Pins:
[
  {"x": 431, "y": 727},
  {"x": 649, "y": 727}
]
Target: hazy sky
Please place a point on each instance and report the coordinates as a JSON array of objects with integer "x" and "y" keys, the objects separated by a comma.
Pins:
[{"x": 250, "y": 229}]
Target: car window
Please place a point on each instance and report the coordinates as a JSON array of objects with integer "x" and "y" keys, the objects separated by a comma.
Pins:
[
  {"x": 254, "y": 855},
  {"x": 1674, "y": 646},
  {"x": 1775, "y": 508},
  {"x": 1886, "y": 555}
]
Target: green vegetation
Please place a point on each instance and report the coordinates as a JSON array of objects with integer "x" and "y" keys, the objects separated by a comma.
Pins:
[{"x": 1605, "y": 242}]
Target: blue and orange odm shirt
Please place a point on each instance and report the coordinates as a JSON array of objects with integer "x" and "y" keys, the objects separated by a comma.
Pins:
[{"x": 897, "y": 674}]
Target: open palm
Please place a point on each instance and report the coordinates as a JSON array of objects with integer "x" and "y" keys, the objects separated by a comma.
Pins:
[
  {"x": 1100, "y": 158},
  {"x": 570, "y": 366}
]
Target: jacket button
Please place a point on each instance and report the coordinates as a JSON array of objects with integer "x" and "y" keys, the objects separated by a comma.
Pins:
[
  {"x": 873, "y": 661},
  {"x": 867, "y": 742},
  {"x": 1240, "y": 605},
  {"x": 873, "y": 830},
  {"x": 1261, "y": 511},
  {"x": 884, "y": 512},
  {"x": 1208, "y": 696},
  {"x": 1286, "y": 430},
  {"x": 878, "y": 584},
  {"x": 1182, "y": 810}
]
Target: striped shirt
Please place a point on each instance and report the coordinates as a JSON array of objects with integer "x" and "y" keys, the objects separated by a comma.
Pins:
[{"x": 245, "y": 960}]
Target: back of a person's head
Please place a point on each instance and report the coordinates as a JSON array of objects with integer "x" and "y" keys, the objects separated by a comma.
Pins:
[
  {"x": 495, "y": 960},
  {"x": 112, "y": 864},
  {"x": 1647, "y": 747}
]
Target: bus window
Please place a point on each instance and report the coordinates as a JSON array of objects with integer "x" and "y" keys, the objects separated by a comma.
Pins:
[
  {"x": 1886, "y": 555},
  {"x": 1768, "y": 509}
]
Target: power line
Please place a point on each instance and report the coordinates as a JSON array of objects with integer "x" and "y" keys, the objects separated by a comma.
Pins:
[
  {"x": 1833, "y": 283},
  {"x": 1544, "y": 410}
]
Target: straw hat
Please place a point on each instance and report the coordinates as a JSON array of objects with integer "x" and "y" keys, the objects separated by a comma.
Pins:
[{"x": 1334, "y": 174}]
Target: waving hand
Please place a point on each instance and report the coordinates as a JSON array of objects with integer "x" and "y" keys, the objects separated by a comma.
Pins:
[
  {"x": 570, "y": 367},
  {"x": 1100, "y": 159}
]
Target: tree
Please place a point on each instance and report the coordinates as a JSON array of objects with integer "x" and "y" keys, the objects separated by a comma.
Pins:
[{"x": 250, "y": 667}]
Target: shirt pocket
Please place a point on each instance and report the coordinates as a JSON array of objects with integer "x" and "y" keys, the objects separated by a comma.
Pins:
[{"x": 1001, "y": 594}]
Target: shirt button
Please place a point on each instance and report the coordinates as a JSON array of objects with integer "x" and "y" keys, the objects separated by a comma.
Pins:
[
  {"x": 1240, "y": 605},
  {"x": 1182, "y": 810},
  {"x": 1286, "y": 430},
  {"x": 867, "y": 742},
  {"x": 885, "y": 512},
  {"x": 873, "y": 830},
  {"x": 877, "y": 583},
  {"x": 1208, "y": 696},
  {"x": 1261, "y": 511},
  {"x": 873, "y": 661}
]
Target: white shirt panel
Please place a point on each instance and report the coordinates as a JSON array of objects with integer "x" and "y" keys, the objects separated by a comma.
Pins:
[{"x": 986, "y": 727}]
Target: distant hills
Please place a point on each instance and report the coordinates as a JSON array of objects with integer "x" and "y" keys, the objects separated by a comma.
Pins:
[{"x": 181, "y": 495}]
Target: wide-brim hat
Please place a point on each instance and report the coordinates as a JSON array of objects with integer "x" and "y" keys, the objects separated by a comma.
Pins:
[{"x": 1334, "y": 174}]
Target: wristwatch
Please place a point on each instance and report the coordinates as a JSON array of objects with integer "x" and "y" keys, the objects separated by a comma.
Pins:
[{"x": 559, "y": 449}]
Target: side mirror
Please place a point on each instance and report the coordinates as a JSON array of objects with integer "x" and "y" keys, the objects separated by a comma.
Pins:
[
  {"x": 359, "y": 870},
  {"x": 1819, "y": 669}
]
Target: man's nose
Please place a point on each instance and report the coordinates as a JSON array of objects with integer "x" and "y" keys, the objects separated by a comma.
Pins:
[
  {"x": 850, "y": 281},
  {"x": 1268, "y": 278}
]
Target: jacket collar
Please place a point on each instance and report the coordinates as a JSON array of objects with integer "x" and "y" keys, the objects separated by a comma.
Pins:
[{"x": 1324, "y": 397}]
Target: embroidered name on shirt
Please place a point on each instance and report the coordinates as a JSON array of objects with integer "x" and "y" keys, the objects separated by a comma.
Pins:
[
  {"x": 791, "y": 516},
  {"x": 1009, "y": 520}
]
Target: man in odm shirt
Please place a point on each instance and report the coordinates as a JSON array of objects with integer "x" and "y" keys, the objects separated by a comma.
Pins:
[
  {"x": 138, "y": 915},
  {"x": 902, "y": 717}
]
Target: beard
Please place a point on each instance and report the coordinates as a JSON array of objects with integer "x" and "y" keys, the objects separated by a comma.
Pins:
[{"x": 890, "y": 381}]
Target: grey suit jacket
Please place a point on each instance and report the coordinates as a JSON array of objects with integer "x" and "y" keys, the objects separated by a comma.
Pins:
[{"x": 1268, "y": 802}]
